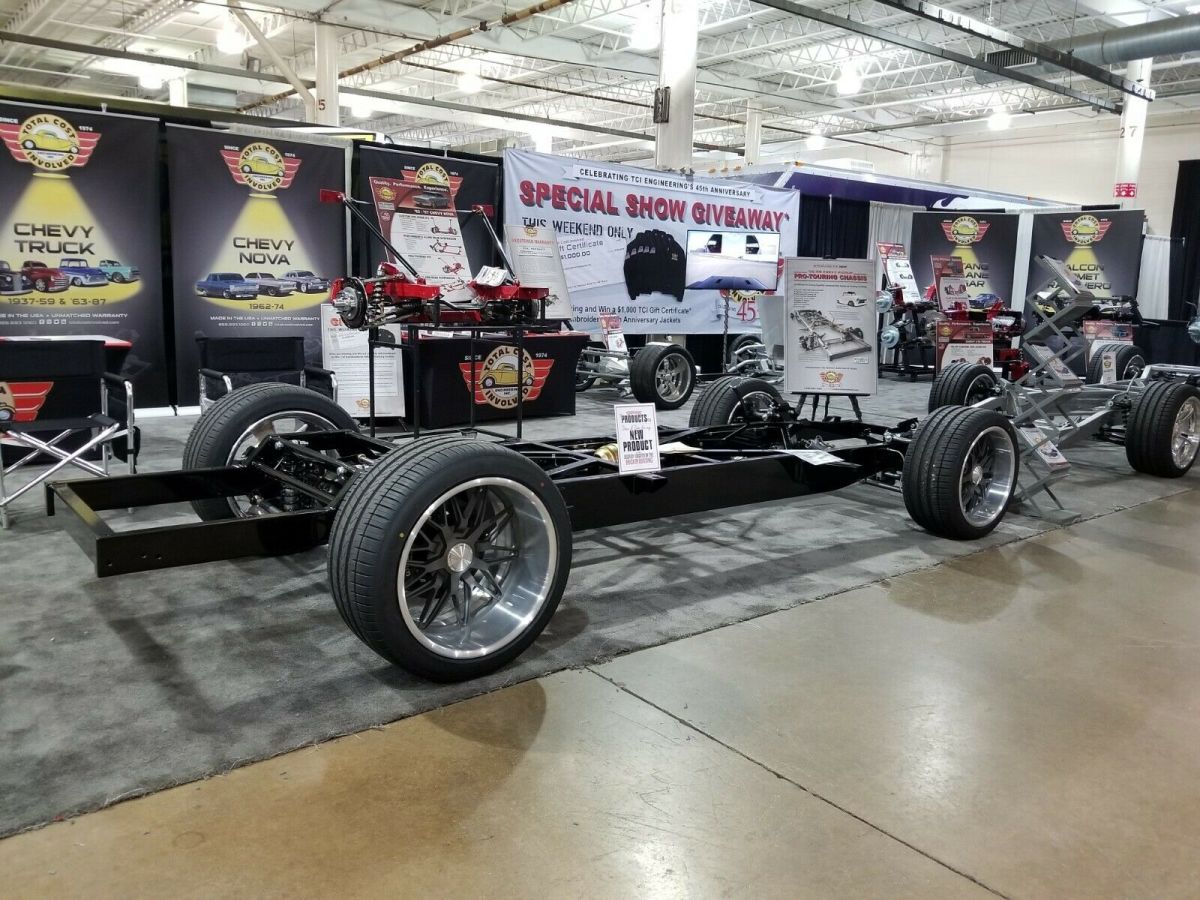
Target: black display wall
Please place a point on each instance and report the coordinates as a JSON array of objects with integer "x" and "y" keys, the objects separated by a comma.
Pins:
[{"x": 834, "y": 227}]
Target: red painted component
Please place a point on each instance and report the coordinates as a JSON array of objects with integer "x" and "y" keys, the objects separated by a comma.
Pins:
[{"x": 508, "y": 292}]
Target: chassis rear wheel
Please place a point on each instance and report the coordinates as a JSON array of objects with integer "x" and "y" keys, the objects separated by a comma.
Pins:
[
  {"x": 662, "y": 374},
  {"x": 241, "y": 420},
  {"x": 449, "y": 557},
  {"x": 1128, "y": 361},
  {"x": 962, "y": 384},
  {"x": 960, "y": 472},
  {"x": 733, "y": 398},
  {"x": 1162, "y": 435}
]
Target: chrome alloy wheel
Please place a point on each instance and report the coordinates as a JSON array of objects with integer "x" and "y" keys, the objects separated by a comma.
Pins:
[
  {"x": 1185, "y": 434},
  {"x": 673, "y": 377},
  {"x": 986, "y": 480},
  {"x": 754, "y": 407},
  {"x": 477, "y": 568}
]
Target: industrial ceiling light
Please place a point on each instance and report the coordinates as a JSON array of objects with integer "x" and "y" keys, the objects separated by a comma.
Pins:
[
  {"x": 645, "y": 32},
  {"x": 151, "y": 79},
  {"x": 231, "y": 40},
  {"x": 816, "y": 140},
  {"x": 849, "y": 81},
  {"x": 470, "y": 83},
  {"x": 1000, "y": 119},
  {"x": 360, "y": 108}
]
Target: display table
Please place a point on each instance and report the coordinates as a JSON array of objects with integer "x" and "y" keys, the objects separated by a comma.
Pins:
[{"x": 438, "y": 370}]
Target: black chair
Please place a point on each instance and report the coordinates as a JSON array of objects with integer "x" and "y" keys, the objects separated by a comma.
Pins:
[
  {"x": 50, "y": 392},
  {"x": 232, "y": 362}
]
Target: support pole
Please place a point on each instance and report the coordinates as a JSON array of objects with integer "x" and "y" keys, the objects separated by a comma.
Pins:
[
  {"x": 1130, "y": 137},
  {"x": 328, "y": 111},
  {"x": 753, "y": 139},
  {"x": 677, "y": 72},
  {"x": 177, "y": 92},
  {"x": 264, "y": 44}
]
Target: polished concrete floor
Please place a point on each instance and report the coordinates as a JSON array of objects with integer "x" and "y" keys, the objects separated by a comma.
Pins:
[{"x": 1020, "y": 722}]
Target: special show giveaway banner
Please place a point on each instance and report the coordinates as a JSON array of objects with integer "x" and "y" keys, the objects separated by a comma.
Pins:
[
  {"x": 80, "y": 240},
  {"x": 253, "y": 248},
  {"x": 1103, "y": 249},
  {"x": 986, "y": 243},
  {"x": 655, "y": 248}
]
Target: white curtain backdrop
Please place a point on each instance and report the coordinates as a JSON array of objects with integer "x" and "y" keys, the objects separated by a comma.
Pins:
[
  {"x": 1154, "y": 280},
  {"x": 890, "y": 223}
]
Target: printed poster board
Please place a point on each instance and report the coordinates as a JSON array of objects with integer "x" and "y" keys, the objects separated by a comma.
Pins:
[
  {"x": 830, "y": 326},
  {"x": 984, "y": 243},
  {"x": 253, "y": 248},
  {"x": 897, "y": 270},
  {"x": 1102, "y": 249},
  {"x": 538, "y": 262},
  {"x": 964, "y": 342},
  {"x": 81, "y": 234},
  {"x": 345, "y": 354}
]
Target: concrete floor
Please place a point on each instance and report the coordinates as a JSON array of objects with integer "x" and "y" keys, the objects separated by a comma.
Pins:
[{"x": 1021, "y": 722}]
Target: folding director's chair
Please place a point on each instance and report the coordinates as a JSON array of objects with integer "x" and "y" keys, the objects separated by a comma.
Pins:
[{"x": 50, "y": 392}]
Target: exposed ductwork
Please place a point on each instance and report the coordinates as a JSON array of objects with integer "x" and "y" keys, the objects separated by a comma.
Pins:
[{"x": 1105, "y": 48}]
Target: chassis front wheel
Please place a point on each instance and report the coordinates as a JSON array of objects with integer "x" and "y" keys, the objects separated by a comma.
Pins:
[
  {"x": 1162, "y": 436},
  {"x": 960, "y": 472},
  {"x": 734, "y": 398},
  {"x": 449, "y": 557}
]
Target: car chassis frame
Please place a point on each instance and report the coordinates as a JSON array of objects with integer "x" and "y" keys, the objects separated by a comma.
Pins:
[{"x": 726, "y": 468}]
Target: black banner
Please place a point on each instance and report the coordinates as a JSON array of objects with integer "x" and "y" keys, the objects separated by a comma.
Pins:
[
  {"x": 80, "y": 243},
  {"x": 1103, "y": 248},
  {"x": 423, "y": 205},
  {"x": 253, "y": 249},
  {"x": 985, "y": 242}
]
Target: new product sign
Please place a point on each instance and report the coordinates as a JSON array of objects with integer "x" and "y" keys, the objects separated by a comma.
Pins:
[
  {"x": 253, "y": 249},
  {"x": 656, "y": 248},
  {"x": 986, "y": 244},
  {"x": 79, "y": 233},
  {"x": 1103, "y": 249}
]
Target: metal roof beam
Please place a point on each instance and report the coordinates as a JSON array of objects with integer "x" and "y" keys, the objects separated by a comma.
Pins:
[
  {"x": 1043, "y": 52},
  {"x": 891, "y": 36}
]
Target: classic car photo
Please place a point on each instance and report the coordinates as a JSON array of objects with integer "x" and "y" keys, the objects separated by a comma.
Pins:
[
  {"x": 257, "y": 165},
  {"x": 117, "y": 271},
  {"x": 305, "y": 281},
  {"x": 47, "y": 140},
  {"x": 12, "y": 282},
  {"x": 270, "y": 285},
  {"x": 229, "y": 285},
  {"x": 81, "y": 274},
  {"x": 504, "y": 375},
  {"x": 43, "y": 277}
]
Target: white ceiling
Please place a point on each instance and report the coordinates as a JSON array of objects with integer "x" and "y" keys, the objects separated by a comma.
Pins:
[{"x": 575, "y": 66}]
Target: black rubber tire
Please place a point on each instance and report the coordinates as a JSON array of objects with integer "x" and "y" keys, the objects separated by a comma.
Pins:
[
  {"x": 645, "y": 363},
  {"x": 718, "y": 404},
  {"x": 1150, "y": 426},
  {"x": 213, "y": 436},
  {"x": 962, "y": 384},
  {"x": 934, "y": 463},
  {"x": 383, "y": 504},
  {"x": 1127, "y": 355}
]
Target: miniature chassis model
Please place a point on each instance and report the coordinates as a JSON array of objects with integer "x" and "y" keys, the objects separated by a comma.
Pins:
[
  {"x": 1153, "y": 410},
  {"x": 660, "y": 373},
  {"x": 448, "y": 553}
]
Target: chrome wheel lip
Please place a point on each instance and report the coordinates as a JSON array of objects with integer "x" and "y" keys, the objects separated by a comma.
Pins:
[
  {"x": 259, "y": 431},
  {"x": 543, "y": 556},
  {"x": 993, "y": 457},
  {"x": 973, "y": 389},
  {"x": 672, "y": 377},
  {"x": 1185, "y": 433},
  {"x": 756, "y": 400}
]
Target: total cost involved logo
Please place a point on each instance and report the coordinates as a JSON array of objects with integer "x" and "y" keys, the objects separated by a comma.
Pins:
[
  {"x": 499, "y": 384},
  {"x": 49, "y": 142},
  {"x": 965, "y": 230},
  {"x": 833, "y": 377},
  {"x": 261, "y": 167},
  {"x": 1085, "y": 230}
]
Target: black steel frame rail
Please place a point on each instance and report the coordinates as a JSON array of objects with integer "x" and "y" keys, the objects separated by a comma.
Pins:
[{"x": 730, "y": 468}]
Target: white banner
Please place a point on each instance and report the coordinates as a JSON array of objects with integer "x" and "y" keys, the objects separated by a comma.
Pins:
[
  {"x": 623, "y": 235},
  {"x": 831, "y": 323}
]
